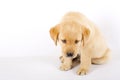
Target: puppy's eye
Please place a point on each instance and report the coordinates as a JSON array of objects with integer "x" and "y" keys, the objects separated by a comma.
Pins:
[
  {"x": 76, "y": 41},
  {"x": 64, "y": 41}
]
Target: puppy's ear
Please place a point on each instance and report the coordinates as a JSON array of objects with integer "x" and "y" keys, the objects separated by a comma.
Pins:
[
  {"x": 85, "y": 35},
  {"x": 54, "y": 32}
]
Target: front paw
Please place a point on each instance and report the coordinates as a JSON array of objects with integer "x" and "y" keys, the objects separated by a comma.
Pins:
[
  {"x": 82, "y": 71},
  {"x": 65, "y": 67}
]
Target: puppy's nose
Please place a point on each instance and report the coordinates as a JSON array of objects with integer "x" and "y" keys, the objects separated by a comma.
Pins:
[{"x": 69, "y": 54}]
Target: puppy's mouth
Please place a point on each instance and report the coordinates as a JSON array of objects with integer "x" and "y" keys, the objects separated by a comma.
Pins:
[{"x": 76, "y": 56}]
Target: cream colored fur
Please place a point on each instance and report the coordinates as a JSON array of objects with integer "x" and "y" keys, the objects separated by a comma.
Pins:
[{"x": 78, "y": 35}]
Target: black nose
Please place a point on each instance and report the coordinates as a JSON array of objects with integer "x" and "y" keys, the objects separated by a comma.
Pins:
[{"x": 69, "y": 54}]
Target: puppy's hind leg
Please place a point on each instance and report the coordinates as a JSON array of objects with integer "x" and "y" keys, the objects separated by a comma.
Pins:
[{"x": 103, "y": 59}]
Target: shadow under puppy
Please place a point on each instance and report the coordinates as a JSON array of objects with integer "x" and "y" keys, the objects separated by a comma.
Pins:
[{"x": 77, "y": 35}]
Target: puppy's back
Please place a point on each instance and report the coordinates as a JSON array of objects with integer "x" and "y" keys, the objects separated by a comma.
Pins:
[
  {"x": 74, "y": 16},
  {"x": 77, "y": 17}
]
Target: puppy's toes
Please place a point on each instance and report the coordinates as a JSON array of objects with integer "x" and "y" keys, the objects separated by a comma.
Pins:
[
  {"x": 82, "y": 71},
  {"x": 64, "y": 67}
]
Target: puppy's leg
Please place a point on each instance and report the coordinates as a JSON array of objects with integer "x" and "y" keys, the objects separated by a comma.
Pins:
[
  {"x": 85, "y": 63},
  {"x": 66, "y": 63},
  {"x": 103, "y": 59}
]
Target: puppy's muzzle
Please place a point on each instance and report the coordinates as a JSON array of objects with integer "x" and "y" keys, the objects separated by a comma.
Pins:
[{"x": 69, "y": 54}]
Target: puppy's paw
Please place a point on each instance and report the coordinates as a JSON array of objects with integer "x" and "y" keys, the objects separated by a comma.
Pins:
[
  {"x": 65, "y": 67},
  {"x": 82, "y": 71}
]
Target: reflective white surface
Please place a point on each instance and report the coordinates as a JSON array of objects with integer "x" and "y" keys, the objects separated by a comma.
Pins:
[{"x": 27, "y": 51}]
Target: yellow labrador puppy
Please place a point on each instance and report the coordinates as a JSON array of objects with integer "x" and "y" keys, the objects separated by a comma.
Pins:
[{"x": 78, "y": 35}]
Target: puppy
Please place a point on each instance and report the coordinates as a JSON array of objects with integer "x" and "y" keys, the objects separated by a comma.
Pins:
[{"x": 78, "y": 35}]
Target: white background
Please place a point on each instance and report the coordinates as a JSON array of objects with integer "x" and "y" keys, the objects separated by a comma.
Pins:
[{"x": 26, "y": 49}]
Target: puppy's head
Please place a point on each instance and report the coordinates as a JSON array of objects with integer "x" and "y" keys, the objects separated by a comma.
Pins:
[{"x": 71, "y": 36}]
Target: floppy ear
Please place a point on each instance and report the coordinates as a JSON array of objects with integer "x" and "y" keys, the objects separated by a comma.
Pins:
[
  {"x": 54, "y": 32},
  {"x": 85, "y": 35}
]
